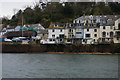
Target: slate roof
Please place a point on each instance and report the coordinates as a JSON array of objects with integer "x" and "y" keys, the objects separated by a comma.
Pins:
[
  {"x": 107, "y": 20},
  {"x": 19, "y": 34}
]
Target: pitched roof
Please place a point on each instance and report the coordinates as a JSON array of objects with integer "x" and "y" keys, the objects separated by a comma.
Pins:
[{"x": 20, "y": 34}]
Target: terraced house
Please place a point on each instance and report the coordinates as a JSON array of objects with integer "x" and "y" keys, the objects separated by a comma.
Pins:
[
  {"x": 56, "y": 34},
  {"x": 103, "y": 29},
  {"x": 117, "y": 31},
  {"x": 73, "y": 33},
  {"x": 99, "y": 29}
]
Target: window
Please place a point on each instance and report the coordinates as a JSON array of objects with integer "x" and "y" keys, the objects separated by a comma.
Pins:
[
  {"x": 61, "y": 35},
  {"x": 103, "y": 34},
  {"x": 94, "y": 21},
  {"x": 107, "y": 33},
  {"x": 103, "y": 27},
  {"x": 60, "y": 39},
  {"x": 78, "y": 32},
  {"x": 91, "y": 21},
  {"x": 111, "y": 27},
  {"x": 95, "y": 30},
  {"x": 61, "y": 30},
  {"x": 72, "y": 25},
  {"x": 53, "y": 36},
  {"x": 111, "y": 34},
  {"x": 75, "y": 21},
  {"x": 117, "y": 38},
  {"x": 87, "y": 35},
  {"x": 50, "y": 39},
  {"x": 43, "y": 34},
  {"x": 103, "y": 39},
  {"x": 80, "y": 24},
  {"x": 87, "y": 29},
  {"x": 92, "y": 24},
  {"x": 119, "y": 26},
  {"x": 95, "y": 35},
  {"x": 53, "y": 30},
  {"x": 72, "y": 35},
  {"x": 70, "y": 30},
  {"x": 53, "y": 39}
]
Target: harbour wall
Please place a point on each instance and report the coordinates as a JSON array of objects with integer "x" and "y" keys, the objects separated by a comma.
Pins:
[{"x": 35, "y": 48}]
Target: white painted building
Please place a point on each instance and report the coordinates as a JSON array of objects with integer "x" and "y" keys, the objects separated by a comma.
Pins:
[
  {"x": 99, "y": 29},
  {"x": 117, "y": 31},
  {"x": 56, "y": 34},
  {"x": 91, "y": 35},
  {"x": 106, "y": 34}
]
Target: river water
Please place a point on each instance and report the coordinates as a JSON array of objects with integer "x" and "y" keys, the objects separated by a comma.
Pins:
[{"x": 59, "y": 66}]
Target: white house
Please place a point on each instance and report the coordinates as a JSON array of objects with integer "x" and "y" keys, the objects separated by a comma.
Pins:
[
  {"x": 117, "y": 31},
  {"x": 98, "y": 29},
  {"x": 106, "y": 34},
  {"x": 56, "y": 34},
  {"x": 91, "y": 35}
]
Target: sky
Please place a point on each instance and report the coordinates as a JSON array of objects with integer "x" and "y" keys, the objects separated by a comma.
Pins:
[{"x": 10, "y": 7}]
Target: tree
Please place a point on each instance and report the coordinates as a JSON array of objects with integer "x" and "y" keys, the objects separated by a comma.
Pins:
[
  {"x": 56, "y": 13},
  {"x": 5, "y": 20},
  {"x": 29, "y": 16}
]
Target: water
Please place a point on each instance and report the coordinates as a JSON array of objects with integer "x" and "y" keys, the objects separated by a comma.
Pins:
[
  {"x": 59, "y": 66},
  {"x": 0, "y": 66}
]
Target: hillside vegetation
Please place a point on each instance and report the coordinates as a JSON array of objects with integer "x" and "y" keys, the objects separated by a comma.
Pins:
[{"x": 56, "y": 13}]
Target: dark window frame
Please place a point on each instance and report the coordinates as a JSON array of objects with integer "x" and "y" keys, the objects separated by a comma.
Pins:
[
  {"x": 87, "y": 35},
  {"x": 95, "y": 35},
  {"x": 53, "y": 35},
  {"x": 87, "y": 30},
  {"x": 104, "y": 27},
  {"x": 53, "y": 30},
  {"x": 95, "y": 30}
]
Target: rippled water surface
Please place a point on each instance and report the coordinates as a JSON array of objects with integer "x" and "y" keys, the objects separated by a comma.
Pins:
[{"x": 59, "y": 66}]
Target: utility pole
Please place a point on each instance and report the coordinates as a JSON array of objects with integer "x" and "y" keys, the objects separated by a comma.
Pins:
[
  {"x": 14, "y": 10},
  {"x": 22, "y": 24}
]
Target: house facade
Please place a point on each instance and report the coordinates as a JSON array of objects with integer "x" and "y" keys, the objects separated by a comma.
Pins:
[
  {"x": 103, "y": 29},
  {"x": 106, "y": 34},
  {"x": 56, "y": 34},
  {"x": 69, "y": 33},
  {"x": 79, "y": 33},
  {"x": 91, "y": 35},
  {"x": 98, "y": 29},
  {"x": 73, "y": 33},
  {"x": 117, "y": 31}
]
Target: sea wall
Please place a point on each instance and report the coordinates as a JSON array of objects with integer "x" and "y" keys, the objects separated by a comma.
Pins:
[{"x": 31, "y": 48}]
